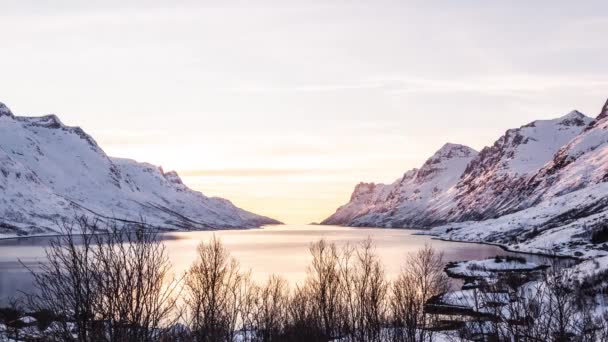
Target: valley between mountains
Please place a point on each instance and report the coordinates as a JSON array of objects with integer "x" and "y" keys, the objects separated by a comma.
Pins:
[{"x": 540, "y": 188}]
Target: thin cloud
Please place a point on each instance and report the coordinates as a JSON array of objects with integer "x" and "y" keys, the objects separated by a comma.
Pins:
[
  {"x": 257, "y": 172},
  {"x": 494, "y": 85}
]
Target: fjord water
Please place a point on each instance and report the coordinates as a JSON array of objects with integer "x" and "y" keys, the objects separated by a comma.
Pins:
[{"x": 280, "y": 250}]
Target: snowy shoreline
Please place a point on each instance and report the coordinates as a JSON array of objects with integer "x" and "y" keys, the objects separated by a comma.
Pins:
[{"x": 507, "y": 249}]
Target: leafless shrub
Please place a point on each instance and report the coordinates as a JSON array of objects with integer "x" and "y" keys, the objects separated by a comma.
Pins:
[
  {"x": 105, "y": 283},
  {"x": 603, "y": 328},
  {"x": 216, "y": 293},
  {"x": 10, "y": 324},
  {"x": 324, "y": 289},
  {"x": 421, "y": 278},
  {"x": 364, "y": 290},
  {"x": 303, "y": 325},
  {"x": 137, "y": 293},
  {"x": 271, "y": 310},
  {"x": 66, "y": 284},
  {"x": 550, "y": 308},
  {"x": 112, "y": 284}
]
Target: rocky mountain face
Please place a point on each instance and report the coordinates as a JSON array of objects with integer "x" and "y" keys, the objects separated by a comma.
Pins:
[
  {"x": 411, "y": 199},
  {"x": 581, "y": 162},
  {"x": 50, "y": 172},
  {"x": 526, "y": 166},
  {"x": 365, "y": 198},
  {"x": 540, "y": 188},
  {"x": 491, "y": 185}
]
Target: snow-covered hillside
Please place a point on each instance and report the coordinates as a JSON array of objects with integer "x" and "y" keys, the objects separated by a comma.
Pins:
[
  {"x": 565, "y": 203},
  {"x": 539, "y": 188},
  {"x": 412, "y": 199},
  {"x": 492, "y": 184},
  {"x": 50, "y": 172}
]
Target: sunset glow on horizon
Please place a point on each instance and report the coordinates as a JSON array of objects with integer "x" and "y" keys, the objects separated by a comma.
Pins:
[{"x": 283, "y": 107}]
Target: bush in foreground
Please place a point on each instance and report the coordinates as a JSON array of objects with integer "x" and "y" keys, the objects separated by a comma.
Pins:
[{"x": 115, "y": 284}]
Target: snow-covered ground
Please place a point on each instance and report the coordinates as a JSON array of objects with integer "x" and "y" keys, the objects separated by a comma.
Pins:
[
  {"x": 545, "y": 229},
  {"x": 489, "y": 267}
]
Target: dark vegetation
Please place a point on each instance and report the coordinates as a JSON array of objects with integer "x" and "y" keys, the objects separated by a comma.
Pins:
[
  {"x": 118, "y": 286},
  {"x": 600, "y": 234},
  {"x": 553, "y": 309},
  {"x": 510, "y": 258}
]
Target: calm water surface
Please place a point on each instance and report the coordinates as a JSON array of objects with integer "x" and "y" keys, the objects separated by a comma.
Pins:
[{"x": 272, "y": 249}]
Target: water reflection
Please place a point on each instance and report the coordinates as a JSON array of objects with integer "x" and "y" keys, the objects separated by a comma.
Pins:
[{"x": 269, "y": 250}]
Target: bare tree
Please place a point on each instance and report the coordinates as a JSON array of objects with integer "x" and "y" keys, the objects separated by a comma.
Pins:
[
  {"x": 107, "y": 283},
  {"x": 10, "y": 324},
  {"x": 323, "y": 286},
  {"x": 271, "y": 310},
  {"x": 421, "y": 278},
  {"x": 303, "y": 325},
  {"x": 66, "y": 283},
  {"x": 560, "y": 300},
  {"x": 364, "y": 290},
  {"x": 137, "y": 292},
  {"x": 603, "y": 325},
  {"x": 529, "y": 307},
  {"x": 215, "y": 291}
]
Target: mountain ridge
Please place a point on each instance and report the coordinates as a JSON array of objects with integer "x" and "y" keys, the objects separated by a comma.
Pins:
[
  {"x": 417, "y": 188},
  {"x": 540, "y": 188},
  {"x": 490, "y": 184},
  {"x": 50, "y": 172}
]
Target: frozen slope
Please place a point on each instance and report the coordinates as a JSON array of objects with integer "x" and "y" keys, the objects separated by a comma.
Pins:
[
  {"x": 562, "y": 225},
  {"x": 578, "y": 164},
  {"x": 412, "y": 199},
  {"x": 366, "y": 198},
  {"x": 564, "y": 203},
  {"x": 457, "y": 184},
  {"x": 51, "y": 172},
  {"x": 492, "y": 184}
]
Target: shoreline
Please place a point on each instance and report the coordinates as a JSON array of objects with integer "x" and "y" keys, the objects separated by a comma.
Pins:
[
  {"x": 431, "y": 236},
  {"x": 160, "y": 231},
  {"x": 501, "y": 246},
  {"x": 507, "y": 249}
]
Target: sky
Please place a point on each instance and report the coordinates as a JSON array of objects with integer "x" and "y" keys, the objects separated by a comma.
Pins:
[{"x": 283, "y": 106}]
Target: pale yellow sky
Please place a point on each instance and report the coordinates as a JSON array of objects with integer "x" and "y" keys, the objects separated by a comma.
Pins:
[{"x": 283, "y": 106}]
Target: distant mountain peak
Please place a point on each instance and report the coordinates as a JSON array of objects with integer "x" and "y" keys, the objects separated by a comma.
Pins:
[
  {"x": 451, "y": 150},
  {"x": 447, "y": 152},
  {"x": 574, "y": 118},
  {"x": 4, "y": 110},
  {"x": 604, "y": 112},
  {"x": 363, "y": 188},
  {"x": 573, "y": 115},
  {"x": 173, "y": 177},
  {"x": 49, "y": 121}
]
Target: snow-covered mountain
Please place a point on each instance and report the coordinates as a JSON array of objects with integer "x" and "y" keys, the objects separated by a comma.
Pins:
[
  {"x": 491, "y": 186},
  {"x": 50, "y": 172},
  {"x": 540, "y": 188},
  {"x": 412, "y": 200},
  {"x": 503, "y": 178},
  {"x": 581, "y": 162}
]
